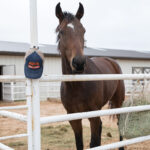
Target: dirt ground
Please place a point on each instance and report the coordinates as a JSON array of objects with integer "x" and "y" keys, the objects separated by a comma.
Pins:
[
  {"x": 48, "y": 108},
  {"x": 11, "y": 126}
]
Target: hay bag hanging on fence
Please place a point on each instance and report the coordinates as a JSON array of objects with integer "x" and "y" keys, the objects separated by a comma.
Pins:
[{"x": 132, "y": 125}]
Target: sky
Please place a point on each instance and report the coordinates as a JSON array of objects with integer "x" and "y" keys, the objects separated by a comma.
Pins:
[{"x": 118, "y": 24}]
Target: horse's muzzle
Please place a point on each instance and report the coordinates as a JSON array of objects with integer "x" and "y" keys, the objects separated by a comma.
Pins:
[{"x": 78, "y": 64}]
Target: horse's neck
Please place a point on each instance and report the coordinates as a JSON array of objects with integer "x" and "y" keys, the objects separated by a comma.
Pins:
[
  {"x": 90, "y": 68},
  {"x": 66, "y": 70}
]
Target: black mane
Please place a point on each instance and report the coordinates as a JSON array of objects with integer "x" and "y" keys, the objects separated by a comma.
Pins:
[{"x": 69, "y": 16}]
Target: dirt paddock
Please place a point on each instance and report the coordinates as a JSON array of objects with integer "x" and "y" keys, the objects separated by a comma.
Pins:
[{"x": 11, "y": 126}]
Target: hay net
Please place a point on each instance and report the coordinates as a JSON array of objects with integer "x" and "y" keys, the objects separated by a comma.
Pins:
[{"x": 136, "y": 124}]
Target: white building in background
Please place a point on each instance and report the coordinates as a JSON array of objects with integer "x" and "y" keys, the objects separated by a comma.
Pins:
[{"x": 12, "y": 63}]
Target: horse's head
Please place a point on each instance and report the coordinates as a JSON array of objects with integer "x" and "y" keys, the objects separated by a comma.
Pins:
[{"x": 71, "y": 38}]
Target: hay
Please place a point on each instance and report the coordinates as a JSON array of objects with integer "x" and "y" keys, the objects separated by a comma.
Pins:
[{"x": 136, "y": 124}]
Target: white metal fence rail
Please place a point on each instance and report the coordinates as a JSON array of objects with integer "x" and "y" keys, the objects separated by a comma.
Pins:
[
  {"x": 16, "y": 90},
  {"x": 33, "y": 104}
]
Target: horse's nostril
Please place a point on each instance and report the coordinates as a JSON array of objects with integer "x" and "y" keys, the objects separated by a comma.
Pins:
[
  {"x": 74, "y": 63},
  {"x": 78, "y": 63}
]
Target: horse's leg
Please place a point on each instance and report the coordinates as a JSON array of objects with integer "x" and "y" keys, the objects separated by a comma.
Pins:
[
  {"x": 96, "y": 130},
  {"x": 120, "y": 137},
  {"x": 77, "y": 128}
]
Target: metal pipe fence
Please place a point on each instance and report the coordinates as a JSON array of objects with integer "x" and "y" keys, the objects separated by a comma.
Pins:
[
  {"x": 15, "y": 91},
  {"x": 4, "y": 147},
  {"x": 122, "y": 143},
  {"x": 91, "y": 114},
  {"x": 33, "y": 104}
]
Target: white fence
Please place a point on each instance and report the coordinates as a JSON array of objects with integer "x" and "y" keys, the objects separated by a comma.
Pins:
[
  {"x": 33, "y": 104},
  {"x": 14, "y": 91}
]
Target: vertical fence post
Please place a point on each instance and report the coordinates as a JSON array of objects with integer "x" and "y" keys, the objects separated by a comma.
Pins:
[
  {"x": 12, "y": 91},
  {"x": 33, "y": 102},
  {"x": 33, "y": 23},
  {"x": 29, "y": 119},
  {"x": 35, "y": 98},
  {"x": 36, "y": 114}
]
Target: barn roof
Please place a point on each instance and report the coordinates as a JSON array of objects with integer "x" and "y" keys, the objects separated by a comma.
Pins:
[{"x": 16, "y": 48}]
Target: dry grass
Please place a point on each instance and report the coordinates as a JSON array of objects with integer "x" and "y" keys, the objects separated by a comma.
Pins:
[{"x": 56, "y": 137}]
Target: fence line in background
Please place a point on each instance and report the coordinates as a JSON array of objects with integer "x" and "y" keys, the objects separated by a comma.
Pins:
[
  {"x": 53, "y": 90},
  {"x": 13, "y": 91}
]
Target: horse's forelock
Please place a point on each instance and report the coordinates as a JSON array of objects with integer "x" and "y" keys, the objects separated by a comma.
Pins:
[{"x": 69, "y": 16}]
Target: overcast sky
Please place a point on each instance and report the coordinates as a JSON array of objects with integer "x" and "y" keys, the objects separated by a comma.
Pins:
[{"x": 121, "y": 24}]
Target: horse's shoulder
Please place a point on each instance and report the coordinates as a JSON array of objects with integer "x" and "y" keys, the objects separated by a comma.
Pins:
[
  {"x": 102, "y": 59},
  {"x": 106, "y": 63}
]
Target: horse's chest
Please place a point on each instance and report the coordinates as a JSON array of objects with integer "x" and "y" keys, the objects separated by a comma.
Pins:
[
  {"x": 75, "y": 102},
  {"x": 77, "y": 95},
  {"x": 80, "y": 98}
]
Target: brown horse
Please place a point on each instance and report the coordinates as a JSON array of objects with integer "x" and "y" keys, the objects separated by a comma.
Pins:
[{"x": 88, "y": 95}]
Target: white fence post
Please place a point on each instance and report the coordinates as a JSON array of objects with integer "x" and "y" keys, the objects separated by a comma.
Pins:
[
  {"x": 36, "y": 115},
  {"x": 33, "y": 23},
  {"x": 12, "y": 91},
  {"x": 33, "y": 101},
  {"x": 29, "y": 119}
]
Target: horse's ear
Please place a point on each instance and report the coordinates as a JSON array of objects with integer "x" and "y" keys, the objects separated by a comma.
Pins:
[
  {"x": 80, "y": 11},
  {"x": 59, "y": 12}
]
